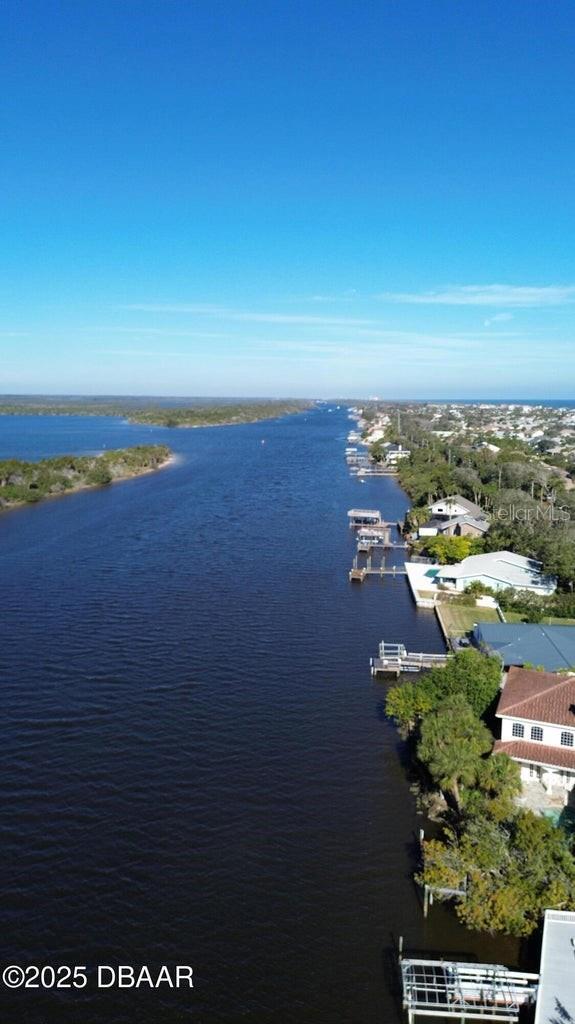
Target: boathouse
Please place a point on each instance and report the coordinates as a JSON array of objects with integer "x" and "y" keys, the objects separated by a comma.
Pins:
[{"x": 364, "y": 517}]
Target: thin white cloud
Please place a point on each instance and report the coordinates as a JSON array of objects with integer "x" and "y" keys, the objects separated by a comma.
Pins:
[
  {"x": 240, "y": 316},
  {"x": 488, "y": 295},
  {"x": 347, "y": 296},
  {"x": 499, "y": 318},
  {"x": 154, "y": 331}
]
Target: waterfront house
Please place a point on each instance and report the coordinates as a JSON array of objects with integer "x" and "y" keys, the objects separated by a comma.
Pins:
[
  {"x": 457, "y": 526},
  {"x": 498, "y": 570},
  {"x": 537, "y": 715},
  {"x": 394, "y": 453},
  {"x": 528, "y": 643},
  {"x": 455, "y": 505}
]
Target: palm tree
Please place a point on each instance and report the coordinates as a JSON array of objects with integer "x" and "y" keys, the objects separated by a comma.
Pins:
[{"x": 453, "y": 741}]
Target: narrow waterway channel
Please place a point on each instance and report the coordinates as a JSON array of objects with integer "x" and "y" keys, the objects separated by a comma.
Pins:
[{"x": 195, "y": 763}]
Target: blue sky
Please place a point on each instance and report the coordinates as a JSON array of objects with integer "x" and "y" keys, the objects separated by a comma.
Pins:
[{"x": 265, "y": 198}]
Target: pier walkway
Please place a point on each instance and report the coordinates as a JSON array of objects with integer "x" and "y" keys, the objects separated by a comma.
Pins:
[
  {"x": 358, "y": 572},
  {"x": 395, "y": 658}
]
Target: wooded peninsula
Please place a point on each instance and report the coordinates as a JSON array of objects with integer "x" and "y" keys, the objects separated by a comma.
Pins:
[
  {"x": 29, "y": 482},
  {"x": 154, "y": 412}
]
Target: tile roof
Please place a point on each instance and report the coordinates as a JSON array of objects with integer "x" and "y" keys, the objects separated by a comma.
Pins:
[
  {"x": 537, "y": 753},
  {"x": 538, "y": 697}
]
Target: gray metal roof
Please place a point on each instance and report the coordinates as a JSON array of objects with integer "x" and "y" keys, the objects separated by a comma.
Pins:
[
  {"x": 503, "y": 566},
  {"x": 520, "y": 643},
  {"x": 556, "y": 995}
]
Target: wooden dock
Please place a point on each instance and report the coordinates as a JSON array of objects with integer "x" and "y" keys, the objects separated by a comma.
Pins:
[
  {"x": 395, "y": 658},
  {"x": 358, "y": 573}
]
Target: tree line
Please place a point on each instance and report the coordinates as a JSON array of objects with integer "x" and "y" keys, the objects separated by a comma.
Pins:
[{"x": 29, "y": 482}]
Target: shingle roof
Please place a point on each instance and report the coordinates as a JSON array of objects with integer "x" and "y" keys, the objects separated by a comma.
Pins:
[
  {"x": 520, "y": 642},
  {"x": 469, "y": 505},
  {"x": 538, "y": 697},
  {"x": 479, "y": 522},
  {"x": 538, "y": 753}
]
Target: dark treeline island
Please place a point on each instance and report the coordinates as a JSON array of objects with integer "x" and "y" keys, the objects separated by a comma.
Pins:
[
  {"x": 155, "y": 412},
  {"x": 30, "y": 482}
]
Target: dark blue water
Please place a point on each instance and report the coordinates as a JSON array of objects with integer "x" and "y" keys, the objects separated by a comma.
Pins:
[{"x": 195, "y": 766}]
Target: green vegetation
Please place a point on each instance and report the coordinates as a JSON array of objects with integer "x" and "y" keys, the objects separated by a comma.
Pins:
[
  {"x": 30, "y": 482},
  {"x": 468, "y": 673},
  {"x": 202, "y": 414},
  {"x": 512, "y": 870},
  {"x": 453, "y": 739},
  {"x": 449, "y": 550},
  {"x": 529, "y": 500},
  {"x": 459, "y": 619},
  {"x": 507, "y": 865},
  {"x": 524, "y": 605}
]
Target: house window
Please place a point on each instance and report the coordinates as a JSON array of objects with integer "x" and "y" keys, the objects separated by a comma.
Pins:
[
  {"x": 566, "y": 739},
  {"x": 518, "y": 730},
  {"x": 537, "y": 733}
]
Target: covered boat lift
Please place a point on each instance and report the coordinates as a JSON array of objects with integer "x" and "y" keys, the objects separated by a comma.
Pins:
[
  {"x": 364, "y": 517},
  {"x": 465, "y": 991}
]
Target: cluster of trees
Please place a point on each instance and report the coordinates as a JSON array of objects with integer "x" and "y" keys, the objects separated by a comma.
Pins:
[
  {"x": 216, "y": 415},
  {"x": 529, "y": 606},
  {"x": 512, "y": 870},
  {"x": 510, "y": 864},
  {"x": 200, "y": 415},
  {"x": 27, "y": 482},
  {"x": 469, "y": 674},
  {"x": 449, "y": 550}
]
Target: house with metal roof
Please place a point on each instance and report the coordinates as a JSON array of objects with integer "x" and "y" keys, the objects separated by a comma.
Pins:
[
  {"x": 528, "y": 643},
  {"x": 498, "y": 570},
  {"x": 537, "y": 715}
]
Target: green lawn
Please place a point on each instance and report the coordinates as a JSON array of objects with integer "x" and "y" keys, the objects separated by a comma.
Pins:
[
  {"x": 460, "y": 618},
  {"x": 549, "y": 620}
]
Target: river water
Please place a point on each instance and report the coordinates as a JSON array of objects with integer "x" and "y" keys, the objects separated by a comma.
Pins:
[{"x": 195, "y": 763}]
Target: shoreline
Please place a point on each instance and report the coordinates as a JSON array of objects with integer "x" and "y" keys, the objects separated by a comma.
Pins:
[{"x": 16, "y": 505}]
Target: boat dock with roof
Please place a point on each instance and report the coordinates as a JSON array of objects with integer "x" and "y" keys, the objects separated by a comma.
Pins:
[{"x": 465, "y": 991}]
